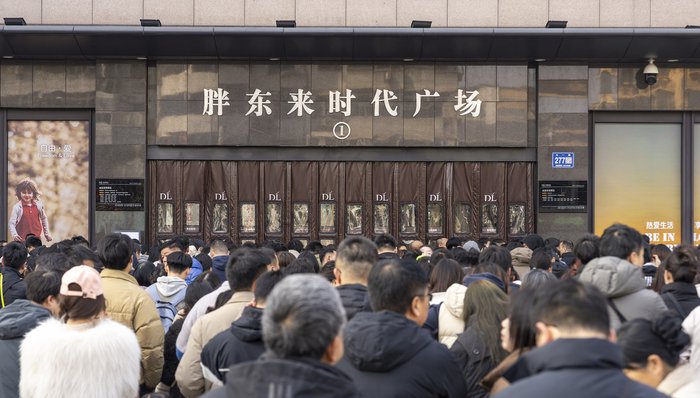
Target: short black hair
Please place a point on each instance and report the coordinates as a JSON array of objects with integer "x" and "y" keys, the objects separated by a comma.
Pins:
[
  {"x": 620, "y": 241},
  {"x": 541, "y": 259},
  {"x": 244, "y": 267},
  {"x": 295, "y": 244},
  {"x": 392, "y": 285},
  {"x": 205, "y": 260},
  {"x": 683, "y": 264},
  {"x": 301, "y": 265},
  {"x": 33, "y": 241},
  {"x": 312, "y": 259},
  {"x": 453, "y": 242},
  {"x": 80, "y": 240},
  {"x": 146, "y": 274},
  {"x": 327, "y": 271},
  {"x": 180, "y": 242},
  {"x": 314, "y": 246},
  {"x": 42, "y": 284},
  {"x": 586, "y": 248},
  {"x": 55, "y": 261},
  {"x": 572, "y": 305},
  {"x": 14, "y": 255},
  {"x": 80, "y": 253},
  {"x": 325, "y": 251},
  {"x": 265, "y": 283},
  {"x": 179, "y": 262},
  {"x": 385, "y": 241},
  {"x": 114, "y": 250},
  {"x": 498, "y": 255}
]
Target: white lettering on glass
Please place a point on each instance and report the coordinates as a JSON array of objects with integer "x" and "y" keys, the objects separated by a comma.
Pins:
[
  {"x": 340, "y": 103},
  {"x": 300, "y": 100},
  {"x": 214, "y": 98},
  {"x": 258, "y": 103},
  {"x": 420, "y": 96},
  {"x": 468, "y": 104},
  {"x": 384, "y": 96}
]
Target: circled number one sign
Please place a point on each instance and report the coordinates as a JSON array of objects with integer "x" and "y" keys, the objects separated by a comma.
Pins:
[{"x": 341, "y": 130}]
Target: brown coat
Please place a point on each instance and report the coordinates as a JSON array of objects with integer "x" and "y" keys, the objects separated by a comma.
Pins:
[
  {"x": 131, "y": 306},
  {"x": 189, "y": 376}
]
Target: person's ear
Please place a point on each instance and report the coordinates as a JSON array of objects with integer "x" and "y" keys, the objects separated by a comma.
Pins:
[
  {"x": 334, "y": 352},
  {"x": 415, "y": 309},
  {"x": 612, "y": 335},
  {"x": 545, "y": 334},
  {"x": 668, "y": 277},
  {"x": 337, "y": 273},
  {"x": 656, "y": 366}
]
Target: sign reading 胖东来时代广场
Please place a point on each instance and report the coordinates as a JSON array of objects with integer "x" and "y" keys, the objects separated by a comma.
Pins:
[
  {"x": 563, "y": 160},
  {"x": 120, "y": 195},
  {"x": 301, "y": 102}
]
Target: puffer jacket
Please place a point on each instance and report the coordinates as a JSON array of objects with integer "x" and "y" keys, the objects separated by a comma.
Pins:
[
  {"x": 241, "y": 343},
  {"x": 354, "y": 298},
  {"x": 623, "y": 284},
  {"x": 218, "y": 266},
  {"x": 388, "y": 355},
  {"x": 691, "y": 325},
  {"x": 13, "y": 286},
  {"x": 130, "y": 305},
  {"x": 680, "y": 383},
  {"x": 16, "y": 320},
  {"x": 450, "y": 319}
]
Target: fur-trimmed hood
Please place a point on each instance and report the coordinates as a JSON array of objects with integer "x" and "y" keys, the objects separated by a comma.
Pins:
[{"x": 58, "y": 360}]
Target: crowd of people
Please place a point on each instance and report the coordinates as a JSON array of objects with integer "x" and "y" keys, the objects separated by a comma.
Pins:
[{"x": 608, "y": 316}]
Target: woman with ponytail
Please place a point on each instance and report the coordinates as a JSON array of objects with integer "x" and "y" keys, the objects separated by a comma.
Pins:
[{"x": 652, "y": 349}]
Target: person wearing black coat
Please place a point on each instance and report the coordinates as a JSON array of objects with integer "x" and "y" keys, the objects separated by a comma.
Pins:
[
  {"x": 573, "y": 358},
  {"x": 679, "y": 293},
  {"x": 354, "y": 298},
  {"x": 14, "y": 259},
  {"x": 387, "y": 353},
  {"x": 241, "y": 343}
]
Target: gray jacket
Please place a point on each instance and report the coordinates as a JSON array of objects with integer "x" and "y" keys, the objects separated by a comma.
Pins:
[
  {"x": 16, "y": 320},
  {"x": 623, "y": 284}
]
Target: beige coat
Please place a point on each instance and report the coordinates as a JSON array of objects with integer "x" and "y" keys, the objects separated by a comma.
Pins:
[
  {"x": 450, "y": 320},
  {"x": 189, "y": 376},
  {"x": 131, "y": 306}
]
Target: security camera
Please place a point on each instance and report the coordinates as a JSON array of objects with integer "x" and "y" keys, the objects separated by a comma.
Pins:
[{"x": 651, "y": 72}]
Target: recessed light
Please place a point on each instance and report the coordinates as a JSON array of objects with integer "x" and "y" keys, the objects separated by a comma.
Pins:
[
  {"x": 274, "y": 59},
  {"x": 8, "y": 56},
  {"x": 673, "y": 60},
  {"x": 141, "y": 58},
  {"x": 540, "y": 59},
  {"x": 408, "y": 59}
]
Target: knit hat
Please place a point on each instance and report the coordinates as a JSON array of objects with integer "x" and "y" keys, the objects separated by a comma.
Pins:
[
  {"x": 471, "y": 245},
  {"x": 86, "y": 278},
  {"x": 521, "y": 257}
]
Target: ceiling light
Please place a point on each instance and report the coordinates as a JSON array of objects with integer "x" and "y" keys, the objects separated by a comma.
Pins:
[
  {"x": 15, "y": 21},
  {"x": 421, "y": 24},
  {"x": 556, "y": 24},
  {"x": 151, "y": 23},
  {"x": 673, "y": 60},
  {"x": 286, "y": 23}
]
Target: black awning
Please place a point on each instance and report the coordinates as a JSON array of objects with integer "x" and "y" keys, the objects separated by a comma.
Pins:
[{"x": 350, "y": 44}]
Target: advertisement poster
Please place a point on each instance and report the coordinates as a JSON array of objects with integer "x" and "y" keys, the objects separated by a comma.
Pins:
[
  {"x": 638, "y": 179},
  {"x": 48, "y": 179}
]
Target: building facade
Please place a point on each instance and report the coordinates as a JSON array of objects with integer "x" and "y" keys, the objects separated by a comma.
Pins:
[{"x": 219, "y": 123}]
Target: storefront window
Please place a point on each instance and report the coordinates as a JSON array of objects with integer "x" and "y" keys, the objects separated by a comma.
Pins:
[
  {"x": 696, "y": 184},
  {"x": 327, "y": 224},
  {"x": 220, "y": 218},
  {"x": 381, "y": 218},
  {"x": 191, "y": 217},
  {"x": 435, "y": 218},
  {"x": 301, "y": 218},
  {"x": 354, "y": 219},
  {"x": 408, "y": 218},
  {"x": 638, "y": 179}
]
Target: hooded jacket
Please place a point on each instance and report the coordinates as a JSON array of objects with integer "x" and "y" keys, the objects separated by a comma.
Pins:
[
  {"x": 80, "y": 361},
  {"x": 13, "y": 286},
  {"x": 195, "y": 271},
  {"x": 685, "y": 295},
  {"x": 576, "y": 368},
  {"x": 288, "y": 378},
  {"x": 241, "y": 343},
  {"x": 16, "y": 320},
  {"x": 189, "y": 374},
  {"x": 130, "y": 305},
  {"x": 388, "y": 355},
  {"x": 169, "y": 286},
  {"x": 218, "y": 266},
  {"x": 623, "y": 284},
  {"x": 450, "y": 318},
  {"x": 354, "y": 298}
]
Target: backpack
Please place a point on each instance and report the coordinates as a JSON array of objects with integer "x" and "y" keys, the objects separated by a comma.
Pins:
[{"x": 166, "y": 309}]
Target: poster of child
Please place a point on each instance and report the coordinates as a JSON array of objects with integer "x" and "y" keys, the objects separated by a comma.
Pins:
[
  {"x": 28, "y": 215},
  {"x": 48, "y": 179}
]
